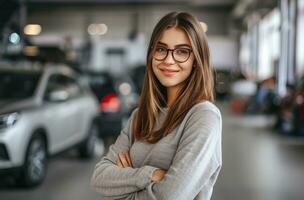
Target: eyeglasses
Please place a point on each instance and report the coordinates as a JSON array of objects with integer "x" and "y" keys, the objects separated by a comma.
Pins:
[{"x": 180, "y": 54}]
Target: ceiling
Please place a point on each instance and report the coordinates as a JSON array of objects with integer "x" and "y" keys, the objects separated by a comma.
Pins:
[
  {"x": 199, "y": 2},
  {"x": 229, "y": 4},
  {"x": 7, "y": 8}
]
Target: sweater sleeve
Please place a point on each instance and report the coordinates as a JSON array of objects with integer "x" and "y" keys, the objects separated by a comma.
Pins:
[
  {"x": 196, "y": 164},
  {"x": 113, "y": 181}
]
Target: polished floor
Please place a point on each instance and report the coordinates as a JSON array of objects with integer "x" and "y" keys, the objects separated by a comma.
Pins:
[{"x": 257, "y": 165}]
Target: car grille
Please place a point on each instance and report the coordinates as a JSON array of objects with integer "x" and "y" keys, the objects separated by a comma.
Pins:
[
  {"x": 3, "y": 152},
  {"x": 2, "y": 124}
]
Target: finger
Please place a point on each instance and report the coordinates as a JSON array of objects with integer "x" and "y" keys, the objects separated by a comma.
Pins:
[
  {"x": 129, "y": 159},
  {"x": 119, "y": 164},
  {"x": 123, "y": 160},
  {"x": 125, "y": 156}
]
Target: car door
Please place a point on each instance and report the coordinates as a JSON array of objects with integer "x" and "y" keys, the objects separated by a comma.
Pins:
[
  {"x": 78, "y": 104},
  {"x": 60, "y": 114}
]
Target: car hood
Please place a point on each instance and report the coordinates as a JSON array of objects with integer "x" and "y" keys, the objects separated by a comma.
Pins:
[{"x": 14, "y": 105}]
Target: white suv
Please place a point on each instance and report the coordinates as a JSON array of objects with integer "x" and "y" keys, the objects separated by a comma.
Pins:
[{"x": 42, "y": 112}]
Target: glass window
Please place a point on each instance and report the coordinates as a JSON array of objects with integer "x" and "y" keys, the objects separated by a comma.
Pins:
[
  {"x": 18, "y": 85},
  {"x": 269, "y": 44},
  {"x": 300, "y": 40}
]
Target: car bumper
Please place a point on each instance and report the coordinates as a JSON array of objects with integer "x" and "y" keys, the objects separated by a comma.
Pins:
[
  {"x": 10, "y": 171},
  {"x": 12, "y": 147}
]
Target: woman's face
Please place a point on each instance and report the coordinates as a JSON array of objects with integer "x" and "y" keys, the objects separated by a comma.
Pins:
[{"x": 168, "y": 71}]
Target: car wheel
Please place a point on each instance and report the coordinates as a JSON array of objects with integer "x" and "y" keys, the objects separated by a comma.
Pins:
[
  {"x": 35, "y": 164},
  {"x": 87, "y": 148}
]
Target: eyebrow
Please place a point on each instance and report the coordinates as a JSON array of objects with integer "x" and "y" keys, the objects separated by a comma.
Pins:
[{"x": 178, "y": 45}]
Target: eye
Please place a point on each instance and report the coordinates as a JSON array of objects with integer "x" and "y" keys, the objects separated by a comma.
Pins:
[
  {"x": 182, "y": 51},
  {"x": 160, "y": 49}
]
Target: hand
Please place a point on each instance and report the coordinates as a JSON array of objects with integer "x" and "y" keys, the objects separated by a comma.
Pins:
[
  {"x": 158, "y": 175},
  {"x": 124, "y": 160}
]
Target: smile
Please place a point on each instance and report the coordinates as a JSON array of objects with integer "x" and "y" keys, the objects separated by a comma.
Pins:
[{"x": 169, "y": 72}]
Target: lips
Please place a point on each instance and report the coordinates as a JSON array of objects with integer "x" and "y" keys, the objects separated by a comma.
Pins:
[{"x": 169, "y": 72}]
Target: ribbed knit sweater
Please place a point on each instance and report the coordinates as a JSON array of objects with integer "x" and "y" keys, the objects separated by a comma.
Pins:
[{"x": 191, "y": 154}]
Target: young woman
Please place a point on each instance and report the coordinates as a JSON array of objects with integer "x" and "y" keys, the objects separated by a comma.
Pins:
[{"x": 171, "y": 147}]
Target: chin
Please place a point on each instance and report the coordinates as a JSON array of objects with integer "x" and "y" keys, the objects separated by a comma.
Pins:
[{"x": 168, "y": 83}]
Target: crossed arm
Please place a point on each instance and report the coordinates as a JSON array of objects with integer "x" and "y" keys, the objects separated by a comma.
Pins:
[
  {"x": 124, "y": 160},
  {"x": 114, "y": 175},
  {"x": 194, "y": 168}
]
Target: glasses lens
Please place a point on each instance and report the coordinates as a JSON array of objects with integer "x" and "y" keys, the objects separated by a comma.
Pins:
[
  {"x": 181, "y": 54},
  {"x": 160, "y": 53}
]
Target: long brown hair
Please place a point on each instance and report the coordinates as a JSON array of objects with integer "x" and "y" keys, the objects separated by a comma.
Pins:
[{"x": 198, "y": 87}]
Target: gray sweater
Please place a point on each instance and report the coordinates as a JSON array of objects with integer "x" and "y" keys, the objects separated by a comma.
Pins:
[{"x": 191, "y": 154}]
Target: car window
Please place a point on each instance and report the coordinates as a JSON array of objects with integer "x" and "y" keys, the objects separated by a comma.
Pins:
[
  {"x": 73, "y": 86},
  {"x": 62, "y": 82},
  {"x": 18, "y": 85}
]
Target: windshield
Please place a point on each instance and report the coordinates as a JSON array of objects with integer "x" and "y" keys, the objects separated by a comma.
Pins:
[{"x": 18, "y": 85}]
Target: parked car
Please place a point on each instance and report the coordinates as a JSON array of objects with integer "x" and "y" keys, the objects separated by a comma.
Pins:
[
  {"x": 290, "y": 115},
  {"x": 43, "y": 111},
  {"x": 117, "y": 98}
]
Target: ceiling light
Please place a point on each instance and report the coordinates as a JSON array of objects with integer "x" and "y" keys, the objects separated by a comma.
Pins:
[
  {"x": 32, "y": 29},
  {"x": 14, "y": 38},
  {"x": 97, "y": 29}
]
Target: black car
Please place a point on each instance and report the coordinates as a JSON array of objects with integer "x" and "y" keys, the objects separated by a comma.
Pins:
[{"x": 117, "y": 99}]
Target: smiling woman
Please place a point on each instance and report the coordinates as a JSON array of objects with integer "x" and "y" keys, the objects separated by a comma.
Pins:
[
  {"x": 171, "y": 146},
  {"x": 172, "y": 70}
]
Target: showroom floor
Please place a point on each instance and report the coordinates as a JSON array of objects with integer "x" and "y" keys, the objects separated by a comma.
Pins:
[{"x": 257, "y": 165}]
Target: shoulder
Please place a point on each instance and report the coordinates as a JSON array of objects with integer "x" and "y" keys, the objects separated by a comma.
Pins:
[
  {"x": 205, "y": 107},
  {"x": 133, "y": 113},
  {"x": 202, "y": 120},
  {"x": 203, "y": 113},
  {"x": 128, "y": 126}
]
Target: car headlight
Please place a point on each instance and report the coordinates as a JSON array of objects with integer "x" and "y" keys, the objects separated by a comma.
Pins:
[{"x": 8, "y": 120}]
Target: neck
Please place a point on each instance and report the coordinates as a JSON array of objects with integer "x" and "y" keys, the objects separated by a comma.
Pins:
[{"x": 171, "y": 95}]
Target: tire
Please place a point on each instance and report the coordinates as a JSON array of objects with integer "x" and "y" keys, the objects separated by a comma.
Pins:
[
  {"x": 35, "y": 164},
  {"x": 87, "y": 148}
]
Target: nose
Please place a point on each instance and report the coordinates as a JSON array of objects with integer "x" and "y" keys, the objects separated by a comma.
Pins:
[{"x": 169, "y": 59}]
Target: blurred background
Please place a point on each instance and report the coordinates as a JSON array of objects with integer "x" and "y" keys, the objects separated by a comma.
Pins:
[{"x": 71, "y": 72}]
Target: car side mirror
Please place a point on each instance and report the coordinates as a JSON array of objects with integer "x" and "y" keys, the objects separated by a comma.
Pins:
[{"x": 58, "y": 96}]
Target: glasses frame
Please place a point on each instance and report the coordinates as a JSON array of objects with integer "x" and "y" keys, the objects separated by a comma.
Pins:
[{"x": 172, "y": 50}]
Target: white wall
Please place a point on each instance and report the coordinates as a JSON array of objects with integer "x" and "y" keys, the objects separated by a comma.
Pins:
[{"x": 73, "y": 22}]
